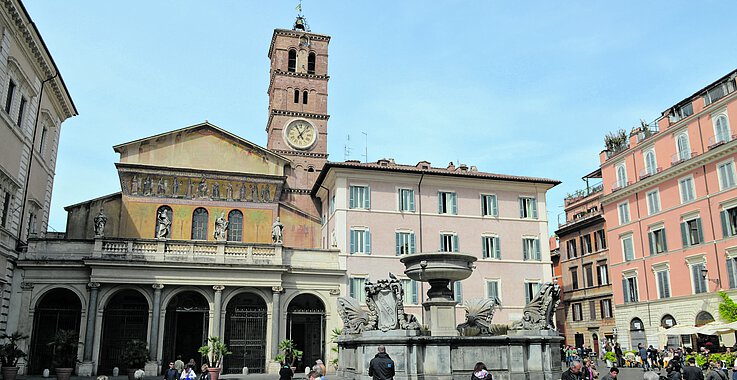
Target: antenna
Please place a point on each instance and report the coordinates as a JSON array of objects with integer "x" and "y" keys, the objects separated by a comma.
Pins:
[
  {"x": 347, "y": 148},
  {"x": 365, "y": 151}
]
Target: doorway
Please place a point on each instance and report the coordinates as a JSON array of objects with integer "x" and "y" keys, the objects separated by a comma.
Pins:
[
  {"x": 306, "y": 327},
  {"x": 245, "y": 334},
  {"x": 186, "y": 327},
  {"x": 125, "y": 318},
  {"x": 58, "y": 309}
]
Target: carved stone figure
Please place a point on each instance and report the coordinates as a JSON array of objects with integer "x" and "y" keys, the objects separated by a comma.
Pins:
[
  {"x": 229, "y": 191},
  {"x": 202, "y": 188},
  {"x": 135, "y": 186},
  {"x": 163, "y": 225},
  {"x": 386, "y": 306},
  {"x": 355, "y": 319},
  {"x": 161, "y": 188},
  {"x": 190, "y": 188},
  {"x": 266, "y": 193},
  {"x": 538, "y": 313},
  {"x": 100, "y": 221},
  {"x": 254, "y": 192},
  {"x": 147, "y": 184},
  {"x": 242, "y": 193},
  {"x": 276, "y": 231},
  {"x": 216, "y": 190},
  {"x": 221, "y": 225},
  {"x": 479, "y": 312},
  {"x": 333, "y": 239},
  {"x": 175, "y": 186}
]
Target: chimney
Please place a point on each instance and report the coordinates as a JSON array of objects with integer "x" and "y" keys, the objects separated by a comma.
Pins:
[
  {"x": 451, "y": 167},
  {"x": 464, "y": 167}
]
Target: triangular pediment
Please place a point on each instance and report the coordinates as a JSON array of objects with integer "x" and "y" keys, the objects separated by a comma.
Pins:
[{"x": 202, "y": 147}]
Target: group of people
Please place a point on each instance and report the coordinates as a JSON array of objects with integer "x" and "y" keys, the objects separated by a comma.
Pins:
[
  {"x": 571, "y": 353},
  {"x": 586, "y": 370},
  {"x": 382, "y": 367},
  {"x": 317, "y": 372},
  {"x": 179, "y": 371}
]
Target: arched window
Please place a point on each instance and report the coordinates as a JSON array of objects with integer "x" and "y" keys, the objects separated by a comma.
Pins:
[
  {"x": 311, "y": 63},
  {"x": 200, "y": 219},
  {"x": 296, "y": 96},
  {"x": 667, "y": 321},
  {"x": 684, "y": 150},
  {"x": 292, "y": 66},
  {"x": 637, "y": 332},
  {"x": 721, "y": 128},
  {"x": 703, "y": 318},
  {"x": 235, "y": 226},
  {"x": 304, "y": 97},
  {"x": 650, "y": 165},
  {"x": 636, "y": 324},
  {"x": 164, "y": 219},
  {"x": 621, "y": 176}
]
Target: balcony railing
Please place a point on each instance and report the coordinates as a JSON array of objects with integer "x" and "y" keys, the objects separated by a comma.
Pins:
[
  {"x": 681, "y": 157},
  {"x": 620, "y": 185},
  {"x": 717, "y": 140},
  {"x": 580, "y": 217},
  {"x": 583, "y": 193},
  {"x": 644, "y": 173}
]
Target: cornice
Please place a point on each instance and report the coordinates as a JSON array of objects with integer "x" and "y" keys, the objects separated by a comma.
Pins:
[
  {"x": 306, "y": 115},
  {"x": 276, "y": 72},
  {"x": 299, "y": 153},
  {"x": 296, "y": 34}
]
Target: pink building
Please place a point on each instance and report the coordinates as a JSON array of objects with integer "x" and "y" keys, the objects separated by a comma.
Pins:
[
  {"x": 376, "y": 212},
  {"x": 670, "y": 204}
]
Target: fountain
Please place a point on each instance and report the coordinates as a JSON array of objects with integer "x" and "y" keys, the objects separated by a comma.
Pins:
[{"x": 441, "y": 350}]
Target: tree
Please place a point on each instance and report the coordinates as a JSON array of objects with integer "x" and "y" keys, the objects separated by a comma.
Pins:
[{"x": 727, "y": 308}]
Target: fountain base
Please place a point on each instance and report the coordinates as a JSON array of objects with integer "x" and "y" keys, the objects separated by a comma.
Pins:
[{"x": 441, "y": 317}]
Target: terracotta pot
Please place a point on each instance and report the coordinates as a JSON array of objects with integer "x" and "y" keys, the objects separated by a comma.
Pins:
[
  {"x": 9, "y": 373},
  {"x": 214, "y": 373},
  {"x": 132, "y": 373},
  {"x": 63, "y": 373}
]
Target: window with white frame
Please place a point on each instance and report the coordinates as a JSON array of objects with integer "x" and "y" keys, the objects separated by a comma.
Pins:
[
  {"x": 528, "y": 208},
  {"x": 359, "y": 197},
  {"x": 692, "y": 232},
  {"x": 629, "y": 288},
  {"x": 356, "y": 289},
  {"x": 653, "y": 202},
  {"x": 488, "y": 205},
  {"x": 725, "y": 172},
  {"x": 606, "y": 308},
  {"x": 411, "y": 293},
  {"x": 531, "y": 248},
  {"x": 623, "y": 209},
  {"x": 458, "y": 292},
  {"x": 628, "y": 248},
  {"x": 531, "y": 290},
  {"x": 405, "y": 242},
  {"x": 621, "y": 176},
  {"x": 656, "y": 240},
  {"x": 686, "y": 189},
  {"x": 698, "y": 280},
  {"x": 406, "y": 200},
  {"x": 728, "y": 217},
  {"x": 683, "y": 147},
  {"x": 719, "y": 91},
  {"x": 493, "y": 289},
  {"x": 602, "y": 272},
  {"x": 449, "y": 242},
  {"x": 332, "y": 205},
  {"x": 447, "y": 203},
  {"x": 732, "y": 271},
  {"x": 576, "y": 311},
  {"x": 360, "y": 241},
  {"x": 490, "y": 247},
  {"x": 721, "y": 129},
  {"x": 651, "y": 166},
  {"x": 662, "y": 275}
]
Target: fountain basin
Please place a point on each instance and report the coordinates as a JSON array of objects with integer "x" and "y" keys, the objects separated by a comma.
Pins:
[{"x": 439, "y": 269}]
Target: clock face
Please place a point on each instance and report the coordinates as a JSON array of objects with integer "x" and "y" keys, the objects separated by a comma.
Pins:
[{"x": 300, "y": 134}]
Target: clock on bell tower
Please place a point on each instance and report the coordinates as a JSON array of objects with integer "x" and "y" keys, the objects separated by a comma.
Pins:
[{"x": 298, "y": 100}]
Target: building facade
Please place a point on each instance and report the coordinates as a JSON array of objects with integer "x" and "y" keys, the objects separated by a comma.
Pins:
[
  {"x": 670, "y": 200},
  {"x": 35, "y": 102},
  {"x": 584, "y": 267}
]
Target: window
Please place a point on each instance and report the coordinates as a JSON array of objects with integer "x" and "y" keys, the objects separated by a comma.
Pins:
[
  {"x": 621, "y": 176},
  {"x": 406, "y": 200},
  {"x": 657, "y": 241},
  {"x": 628, "y": 248},
  {"x": 686, "y": 189},
  {"x": 360, "y": 197},
  {"x": 683, "y": 147},
  {"x": 726, "y": 175},
  {"x": 629, "y": 287},
  {"x": 448, "y": 242},
  {"x": 235, "y": 226},
  {"x": 492, "y": 289},
  {"x": 6, "y": 209},
  {"x": 592, "y": 310},
  {"x": 296, "y": 96},
  {"x": 531, "y": 249},
  {"x": 490, "y": 247},
  {"x": 732, "y": 272},
  {"x": 42, "y": 142},
  {"x": 527, "y": 208},
  {"x": 691, "y": 232},
  {"x": 571, "y": 248},
  {"x": 606, "y": 308},
  {"x": 651, "y": 166},
  {"x": 600, "y": 240},
  {"x": 602, "y": 272},
  {"x": 311, "y": 63},
  {"x": 576, "y": 311},
  {"x": 681, "y": 112},
  {"x": 21, "y": 110},
  {"x": 653, "y": 202},
  {"x": 663, "y": 279},
  {"x": 721, "y": 129},
  {"x": 574, "y": 278},
  {"x": 531, "y": 290},
  {"x": 9, "y": 98},
  {"x": 200, "y": 219},
  {"x": 411, "y": 295},
  {"x": 719, "y": 91},
  {"x": 458, "y": 292},
  {"x": 292, "y": 64},
  {"x": 405, "y": 243},
  {"x": 588, "y": 271},
  {"x": 488, "y": 205},
  {"x": 356, "y": 289},
  {"x": 332, "y": 205},
  {"x": 31, "y": 230},
  {"x": 305, "y": 94},
  {"x": 168, "y": 214},
  {"x": 360, "y": 241},
  {"x": 624, "y": 213},
  {"x": 729, "y": 221},
  {"x": 586, "y": 244},
  {"x": 447, "y": 203},
  {"x": 698, "y": 280}
]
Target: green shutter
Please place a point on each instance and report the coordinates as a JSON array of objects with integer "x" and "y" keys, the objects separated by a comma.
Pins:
[
  {"x": 651, "y": 242},
  {"x": 525, "y": 254},
  {"x": 352, "y": 285},
  {"x": 412, "y": 242},
  {"x": 484, "y": 247},
  {"x": 684, "y": 234},
  {"x": 367, "y": 198},
  {"x": 521, "y": 208},
  {"x": 664, "y": 241},
  {"x": 353, "y": 241},
  {"x": 440, "y": 202},
  {"x": 534, "y": 207},
  {"x": 497, "y": 248},
  {"x": 701, "y": 230},
  {"x": 352, "y": 199},
  {"x": 494, "y": 209},
  {"x": 725, "y": 226},
  {"x": 730, "y": 273},
  {"x": 456, "y": 244},
  {"x": 397, "y": 239},
  {"x": 453, "y": 204},
  {"x": 536, "y": 243},
  {"x": 367, "y": 242},
  {"x": 414, "y": 292},
  {"x": 400, "y": 199},
  {"x": 626, "y": 291},
  {"x": 440, "y": 247},
  {"x": 411, "y": 200}
]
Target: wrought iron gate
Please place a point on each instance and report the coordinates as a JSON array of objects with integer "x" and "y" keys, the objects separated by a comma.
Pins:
[
  {"x": 46, "y": 322},
  {"x": 245, "y": 332},
  {"x": 124, "y": 319}
]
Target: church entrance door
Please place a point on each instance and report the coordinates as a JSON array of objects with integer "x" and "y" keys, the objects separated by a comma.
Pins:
[
  {"x": 245, "y": 334},
  {"x": 306, "y": 327},
  {"x": 185, "y": 327},
  {"x": 59, "y": 309},
  {"x": 125, "y": 318}
]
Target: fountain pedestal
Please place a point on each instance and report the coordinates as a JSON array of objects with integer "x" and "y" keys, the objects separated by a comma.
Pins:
[{"x": 441, "y": 317}]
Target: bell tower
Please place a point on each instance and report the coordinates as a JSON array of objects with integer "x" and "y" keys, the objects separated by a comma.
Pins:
[{"x": 297, "y": 127}]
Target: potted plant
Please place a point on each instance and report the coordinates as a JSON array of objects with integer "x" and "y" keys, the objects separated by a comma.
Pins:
[
  {"x": 65, "y": 347},
  {"x": 610, "y": 358},
  {"x": 10, "y": 353},
  {"x": 291, "y": 353},
  {"x": 135, "y": 356},
  {"x": 215, "y": 350}
]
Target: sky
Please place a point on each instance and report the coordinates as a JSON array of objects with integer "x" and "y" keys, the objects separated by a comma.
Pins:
[{"x": 526, "y": 88}]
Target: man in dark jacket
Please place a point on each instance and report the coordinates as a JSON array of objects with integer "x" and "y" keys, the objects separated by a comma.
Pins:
[
  {"x": 691, "y": 371},
  {"x": 381, "y": 366},
  {"x": 574, "y": 372}
]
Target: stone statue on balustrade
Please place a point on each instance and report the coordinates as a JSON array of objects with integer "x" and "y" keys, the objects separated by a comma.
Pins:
[
  {"x": 100, "y": 220},
  {"x": 538, "y": 313},
  {"x": 163, "y": 225},
  {"x": 221, "y": 225},
  {"x": 385, "y": 309},
  {"x": 277, "y": 230}
]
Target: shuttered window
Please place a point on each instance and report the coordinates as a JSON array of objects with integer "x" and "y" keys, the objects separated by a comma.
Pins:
[
  {"x": 359, "y": 197},
  {"x": 405, "y": 243},
  {"x": 663, "y": 277},
  {"x": 406, "y": 200},
  {"x": 692, "y": 232},
  {"x": 697, "y": 278},
  {"x": 360, "y": 241},
  {"x": 489, "y": 206},
  {"x": 490, "y": 247},
  {"x": 528, "y": 208},
  {"x": 531, "y": 249},
  {"x": 447, "y": 203},
  {"x": 492, "y": 289}
]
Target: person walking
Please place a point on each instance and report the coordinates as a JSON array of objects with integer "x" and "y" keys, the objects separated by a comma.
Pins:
[
  {"x": 285, "y": 373},
  {"x": 381, "y": 366},
  {"x": 319, "y": 368},
  {"x": 715, "y": 372},
  {"x": 691, "y": 371},
  {"x": 671, "y": 373},
  {"x": 612, "y": 375},
  {"x": 618, "y": 354},
  {"x": 171, "y": 373},
  {"x": 188, "y": 373},
  {"x": 480, "y": 372},
  {"x": 573, "y": 372},
  {"x": 205, "y": 374},
  {"x": 643, "y": 356},
  {"x": 179, "y": 365}
]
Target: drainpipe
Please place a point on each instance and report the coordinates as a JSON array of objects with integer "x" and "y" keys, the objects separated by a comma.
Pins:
[{"x": 21, "y": 245}]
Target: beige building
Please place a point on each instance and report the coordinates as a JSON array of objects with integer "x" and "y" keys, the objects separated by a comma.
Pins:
[{"x": 35, "y": 102}]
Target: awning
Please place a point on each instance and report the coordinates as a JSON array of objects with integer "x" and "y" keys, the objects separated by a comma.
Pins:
[
  {"x": 679, "y": 330},
  {"x": 713, "y": 328}
]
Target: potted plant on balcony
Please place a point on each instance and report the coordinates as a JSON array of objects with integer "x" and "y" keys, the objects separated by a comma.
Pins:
[
  {"x": 10, "y": 353},
  {"x": 65, "y": 346},
  {"x": 135, "y": 356},
  {"x": 215, "y": 350}
]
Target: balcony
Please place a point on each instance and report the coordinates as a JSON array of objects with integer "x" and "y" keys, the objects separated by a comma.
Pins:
[
  {"x": 619, "y": 185},
  {"x": 583, "y": 193},
  {"x": 682, "y": 157},
  {"x": 718, "y": 140},
  {"x": 581, "y": 217},
  {"x": 644, "y": 173}
]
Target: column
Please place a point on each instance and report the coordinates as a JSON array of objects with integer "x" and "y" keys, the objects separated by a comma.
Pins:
[
  {"x": 89, "y": 336},
  {"x": 275, "y": 319},
  {"x": 156, "y": 317},
  {"x": 218, "y": 307}
]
